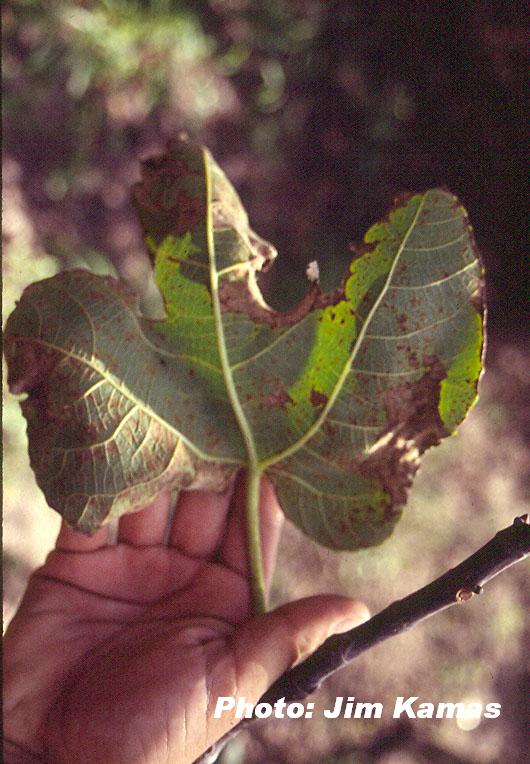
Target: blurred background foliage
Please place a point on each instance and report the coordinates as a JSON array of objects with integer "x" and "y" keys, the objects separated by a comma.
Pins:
[{"x": 320, "y": 113}]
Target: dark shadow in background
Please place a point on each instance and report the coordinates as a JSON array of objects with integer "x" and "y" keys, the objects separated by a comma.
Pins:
[{"x": 337, "y": 107}]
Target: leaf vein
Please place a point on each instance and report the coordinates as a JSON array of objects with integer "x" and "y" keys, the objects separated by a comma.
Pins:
[
  {"x": 92, "y": 446},
  {"x": 415, "y": 287},
  {"x": 443, "y": 320},
  {"x": 439, "y": 246}
]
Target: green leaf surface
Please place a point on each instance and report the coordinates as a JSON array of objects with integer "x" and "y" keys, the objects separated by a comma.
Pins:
[{"x": 336, "y": 400}]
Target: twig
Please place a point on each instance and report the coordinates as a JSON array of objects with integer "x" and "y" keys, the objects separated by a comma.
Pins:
[{"x": 458, "y": 585}]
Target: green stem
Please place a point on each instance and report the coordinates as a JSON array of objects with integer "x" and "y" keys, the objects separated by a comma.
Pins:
[{"x": 257, "y": 580}]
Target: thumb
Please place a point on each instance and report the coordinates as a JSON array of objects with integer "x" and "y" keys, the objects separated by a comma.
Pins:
[{"x": 269, "y": 644}]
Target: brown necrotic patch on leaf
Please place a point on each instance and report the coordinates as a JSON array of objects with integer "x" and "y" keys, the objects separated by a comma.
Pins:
[
  {"x": 413, "y": 359},
  {"x": 412, "y": 408},
  {"x": 263, "y": 250},
  {"x": 166, "y": 211},
  {"x": 171, "y": 197},
  {"x": 393, "y": 464},
  {"x": 29, "y": 364},
  {"x": 414, "y": 425},
  {"x": 360, "y": 248},
  {"x": 317, "y": 398},
  {"x": 278, "y": 397},
  {"x": 478, "y": 300},
  {"x": 400, "y": 200},
  {"x": 211, "y": 477},
  {"x": 237, "y": 297}
]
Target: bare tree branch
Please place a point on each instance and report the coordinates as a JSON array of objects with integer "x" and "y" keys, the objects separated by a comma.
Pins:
[{"x": 458, "y": 585}]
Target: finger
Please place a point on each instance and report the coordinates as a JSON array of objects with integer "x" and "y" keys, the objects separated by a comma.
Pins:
[
  {"x": 272, "y": 643},
  {"x": 271, "y": 524},
  {"x": 234, "y": 551},
  {"x": 148, "y": 526},
  {"x": 200, "y": 521},
  {"x": 69, "y": 540}
]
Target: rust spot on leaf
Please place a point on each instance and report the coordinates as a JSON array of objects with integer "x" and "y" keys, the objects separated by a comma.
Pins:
[
  {"x": 477, "y": 298},
  {"x": 358, "y": 249},
  {"x": 278, "y": 397},
  {"x": 317, "y": 398},
  {"x": 401, "y": 200}
]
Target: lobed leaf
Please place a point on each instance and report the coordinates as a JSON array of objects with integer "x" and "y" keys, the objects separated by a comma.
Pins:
[{"x": 337, "y": 400}]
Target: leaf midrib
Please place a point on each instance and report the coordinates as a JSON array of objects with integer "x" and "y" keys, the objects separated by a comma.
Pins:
[{"x": 237, "y": 408}]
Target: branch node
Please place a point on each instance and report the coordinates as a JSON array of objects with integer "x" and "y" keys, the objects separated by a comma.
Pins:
[{"x": 464, "y": 595}]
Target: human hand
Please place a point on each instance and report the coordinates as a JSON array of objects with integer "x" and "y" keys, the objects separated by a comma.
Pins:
[{"x": 119, "y": 652}]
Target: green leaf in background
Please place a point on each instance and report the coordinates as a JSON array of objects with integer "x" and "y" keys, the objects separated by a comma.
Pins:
[{"x": 336, "y": 400}]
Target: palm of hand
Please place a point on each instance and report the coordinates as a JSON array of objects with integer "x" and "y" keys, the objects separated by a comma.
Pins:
[{"x": 119, "y": 652}]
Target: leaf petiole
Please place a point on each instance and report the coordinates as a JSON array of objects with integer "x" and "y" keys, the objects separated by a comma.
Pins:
[{"x": 257, "y": 579}]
